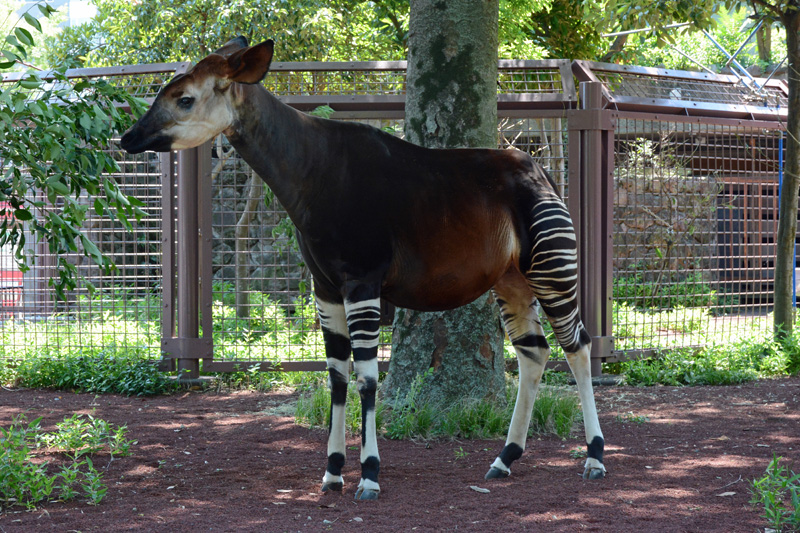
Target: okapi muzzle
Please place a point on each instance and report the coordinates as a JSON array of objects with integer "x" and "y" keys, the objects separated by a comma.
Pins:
[{"x": 147, "y": 134}]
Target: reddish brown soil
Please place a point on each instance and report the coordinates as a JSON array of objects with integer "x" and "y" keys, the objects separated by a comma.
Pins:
[{"x": 227, "y": 462}]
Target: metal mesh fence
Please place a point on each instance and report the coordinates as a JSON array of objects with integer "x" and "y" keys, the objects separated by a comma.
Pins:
[
  {"x": 337, "y": 79},
  {"x": 263, "y": 304},
  {"x": 122, "y": 317},
  {"x": 695, "y": 205},
  {"x": 695, "y": 212},
  {"x": 691, "y": 90}
]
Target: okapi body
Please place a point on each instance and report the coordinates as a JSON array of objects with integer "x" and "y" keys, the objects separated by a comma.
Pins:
[{"x": 380, "y": 217}]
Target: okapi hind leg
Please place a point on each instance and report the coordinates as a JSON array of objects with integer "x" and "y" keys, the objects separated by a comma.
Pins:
[
  {"x": 553, "y": 276},
  {"x": 520, "y": 313},
  {"x": 337, "y": 349},
  {"x": 577, "y": 344},
  {"x": 580, "y": 365}
]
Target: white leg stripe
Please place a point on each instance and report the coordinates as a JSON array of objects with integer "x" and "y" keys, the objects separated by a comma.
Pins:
[
  {"x": 498, "y": 464},
  {"x": 336, "y": 439},
  {"x": 330, "y": 478},
  {"x": 579, "y": 364},
  {"x": 362, "y": 322},
  {"x": 592, "y": 463},
  {"x": 368, "y": 484},
  {"x": 354, "y": 307},
  {"x": 332, "y": 318}
]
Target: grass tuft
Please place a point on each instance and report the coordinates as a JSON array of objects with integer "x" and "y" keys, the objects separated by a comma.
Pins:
[
  {"x": 556, "y": 411},
  {"x": 27, "y": 478},
  {"x": 778, "y": 493}
]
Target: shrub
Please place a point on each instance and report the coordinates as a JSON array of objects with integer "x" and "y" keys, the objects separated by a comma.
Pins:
[{"x": 27, "y": 479}]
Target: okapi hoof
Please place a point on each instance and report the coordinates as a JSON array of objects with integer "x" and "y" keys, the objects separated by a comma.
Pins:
[
  {"x": 366, "y": 494},
  {"x": 594, "y": 473},
  {"x": 495, "y": 473},
  {"x": 335, "y": 486}
]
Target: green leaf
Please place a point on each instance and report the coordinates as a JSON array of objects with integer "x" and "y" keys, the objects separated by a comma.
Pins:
[
  {"x": 46, "y": 9},
  {"x": 58, "y": 187},
  {"x": 91, "y": 249},
  {"x": 33, "y": 21},
  {"x": 23, "y": 214},
  {"x": 31, "y": 83},
  {"x": 99, "y": 207},
  {"x": 24, "y": 36}
]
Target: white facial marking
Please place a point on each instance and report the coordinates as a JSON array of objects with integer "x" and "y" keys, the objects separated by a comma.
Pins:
[{"x": 210, "y": 114}]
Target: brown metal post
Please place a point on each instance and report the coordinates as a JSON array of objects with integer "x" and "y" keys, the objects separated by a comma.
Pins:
[
  {"x": 168, "y": 326},
  {"x": 188, "y": 257},
  {"x": 591, "y": 153},
  {"x": 187, "y": 263},
  {"x": 205, "y": 259}
]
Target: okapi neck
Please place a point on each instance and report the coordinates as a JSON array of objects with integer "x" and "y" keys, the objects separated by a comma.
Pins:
[{"x": 277, "y": 142}]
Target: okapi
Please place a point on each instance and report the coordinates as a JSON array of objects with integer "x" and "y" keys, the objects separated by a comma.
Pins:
[{"x": 378, "y": 217}]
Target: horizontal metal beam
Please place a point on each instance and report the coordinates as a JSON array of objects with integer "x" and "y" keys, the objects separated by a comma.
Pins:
[{"x": 279, "y": 366}]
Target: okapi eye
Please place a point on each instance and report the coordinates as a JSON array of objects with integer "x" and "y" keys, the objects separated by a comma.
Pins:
[{"x": 185, "y": 102}]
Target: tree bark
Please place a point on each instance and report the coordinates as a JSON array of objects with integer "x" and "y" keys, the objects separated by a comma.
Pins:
[
  {"x": 451, "y": 102},
  {"x": 254, "y": 197},
  {"x": 787, "y": 216},
  {"x": 764, "y": 43}
]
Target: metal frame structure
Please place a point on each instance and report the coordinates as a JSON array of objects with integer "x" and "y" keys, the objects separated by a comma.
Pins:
[
  {"x": 615, "y": 94},
  {"x": 589, "y": 129},
  {"x": 307, "y": 86}
]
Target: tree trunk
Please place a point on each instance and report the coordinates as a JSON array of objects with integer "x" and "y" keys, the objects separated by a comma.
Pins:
[
  {"x": 787, "y": 217},
  {"x": 764, "y": 42},
  {"x": 254, "y": 196},
  {"x": 451, "y": 102}
]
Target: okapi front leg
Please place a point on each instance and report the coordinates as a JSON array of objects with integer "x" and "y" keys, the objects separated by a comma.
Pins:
[
  {"x": 337, "y": 349},
  {"x": 363, "y": 320}
]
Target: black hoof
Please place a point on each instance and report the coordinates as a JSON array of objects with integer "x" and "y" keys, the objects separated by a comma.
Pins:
[
  {"x": 366, "y": 494},
  {"x": 594, "y": 473},
  {"x": 495, "y": 473},
  {"x": 336, "y": 486}
]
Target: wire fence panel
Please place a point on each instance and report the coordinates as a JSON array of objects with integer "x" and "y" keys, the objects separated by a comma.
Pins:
[
  {"x": 694, "y": 216},
  {"x": 695, "y": 210},
  {"x": 122, "y": 316}
]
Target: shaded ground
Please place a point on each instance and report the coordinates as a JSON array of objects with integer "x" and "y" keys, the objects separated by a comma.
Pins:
[{"x": 679, "y": 459}]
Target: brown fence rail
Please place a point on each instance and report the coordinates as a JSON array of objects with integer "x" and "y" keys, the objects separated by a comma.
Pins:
[{"x": 671, "y": 178}]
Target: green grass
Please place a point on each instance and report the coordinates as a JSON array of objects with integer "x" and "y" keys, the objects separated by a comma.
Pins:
[
  {"x": 691, "y": 291},
  {"x": 778, "y": 494},
  {"x": 727, "y": 364},
  {"x": 556, "y": 411},
  {"x": 111, "y": 341},
  {"x": 100, "y": 373},
  {"x": 27, "y": 478},
  {"x": 630, "y": 418}
]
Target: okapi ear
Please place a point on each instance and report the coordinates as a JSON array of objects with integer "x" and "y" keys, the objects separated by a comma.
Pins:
[
  {"x": 234, "y": 45},
  {"x": 250, "y": 65}
]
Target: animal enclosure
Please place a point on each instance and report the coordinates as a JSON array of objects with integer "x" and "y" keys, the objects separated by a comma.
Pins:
[{"x": 672, "y": 179}]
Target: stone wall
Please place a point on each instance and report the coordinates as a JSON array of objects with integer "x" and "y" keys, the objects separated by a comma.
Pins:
[
  {"x": 664, "y": 220},
  {"x": 247, "y": 220}
]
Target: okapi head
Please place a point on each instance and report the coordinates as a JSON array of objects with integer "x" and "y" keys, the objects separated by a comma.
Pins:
[{"x": 197, "y": 106}]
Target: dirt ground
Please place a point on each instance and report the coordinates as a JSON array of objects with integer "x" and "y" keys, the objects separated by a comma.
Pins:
[{"x": 678, "y": 459}]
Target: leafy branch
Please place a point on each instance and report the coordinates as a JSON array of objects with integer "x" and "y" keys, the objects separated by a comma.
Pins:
[{"x": 56, "y": 161}]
